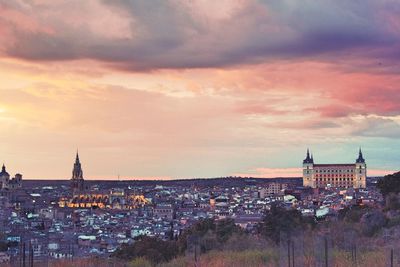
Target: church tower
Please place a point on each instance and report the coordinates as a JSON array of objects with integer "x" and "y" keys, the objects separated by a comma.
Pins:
[
  {"x": 4, "y": 178},
  {"x": 308, "y": 170},
  {"x": 77, "y": 176},
  {"x": 360, "y": 180}
]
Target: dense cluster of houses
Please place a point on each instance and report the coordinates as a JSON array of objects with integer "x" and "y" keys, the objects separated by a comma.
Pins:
[{"x": 53, "y": 225}]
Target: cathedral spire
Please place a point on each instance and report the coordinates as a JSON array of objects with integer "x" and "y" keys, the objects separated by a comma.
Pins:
[{"x": 77, "y": 175}]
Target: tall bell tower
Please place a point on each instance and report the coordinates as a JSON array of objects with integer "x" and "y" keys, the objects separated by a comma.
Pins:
[{"x": 77, "y": 182}]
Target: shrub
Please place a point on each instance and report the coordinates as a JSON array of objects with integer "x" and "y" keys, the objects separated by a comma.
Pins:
[
  {"x": 150, "y": 248},
  {"x": 372, "y": 221},
  {"x": 140, "y": 262},
  {"x": 394, "y": 221},
  {"x": 352, "y": 214},
  {"x": 279, "y": 220},
  {"x": 389, "y": 184}
]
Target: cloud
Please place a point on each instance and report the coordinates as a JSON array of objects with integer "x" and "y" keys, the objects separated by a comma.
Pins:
[
  {"x": 256, "y": 107},
  {"x": 183, "y": 88},
  {"x": 140, "y": 35},
  {"x": 133, "y": 132},
  {"x": 113, "y": 109},
  {"x": 378, "y": 127},
  {"x": 333, "y": 110},
  {"x": 313, "y": 124},
  {"x": 380, "y": 98}
]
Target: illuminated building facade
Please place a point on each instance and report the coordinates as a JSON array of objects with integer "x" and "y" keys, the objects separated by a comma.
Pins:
[
  {"x": 114, "y": 199},
  {"x": 335, "y": 175}
]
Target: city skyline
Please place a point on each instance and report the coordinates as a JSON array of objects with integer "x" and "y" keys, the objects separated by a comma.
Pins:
[
  {"x": 265, "y": 173},
  {"x": 177, "y": 89}
]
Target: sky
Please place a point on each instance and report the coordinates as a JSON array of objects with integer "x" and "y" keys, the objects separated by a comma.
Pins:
[{"x": 179, "y": 89}]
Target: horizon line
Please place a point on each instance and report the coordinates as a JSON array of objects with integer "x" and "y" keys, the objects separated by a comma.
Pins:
[
  {"x": 166, "y": 179},
  {"x": 174, "y": 179}
]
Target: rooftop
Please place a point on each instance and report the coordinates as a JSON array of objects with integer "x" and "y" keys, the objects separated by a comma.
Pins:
[{"x": 336, "y": 165}]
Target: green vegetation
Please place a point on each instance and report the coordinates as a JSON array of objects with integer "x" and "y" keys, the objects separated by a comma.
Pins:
[
  {"x": 140, "y": 262},
  {"x": 210, "y": 236},
  {"x": 150, "y": 248},
  {"x": 279, "y": 220},
  {"x": 254, "y": 257},
  {"x": 353, "y": 214},
  {"x": 3, "y": 246},
  {"x": 206, "y": 235},
  {"x": 222, "y": 243},
  {"x": 389, "y": 184}
]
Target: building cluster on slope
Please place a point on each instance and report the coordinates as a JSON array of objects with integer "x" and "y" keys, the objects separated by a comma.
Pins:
[{"x": 83, "y": 219}]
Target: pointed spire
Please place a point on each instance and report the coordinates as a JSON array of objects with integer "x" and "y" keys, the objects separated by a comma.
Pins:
[
  {"x": 308, "y": 159},
  {"x": 3, "y": 169},
  {"x": 360, "y": 158},
  {"x": 77, "y": 170},
  {"x": 77, "y": 183}
]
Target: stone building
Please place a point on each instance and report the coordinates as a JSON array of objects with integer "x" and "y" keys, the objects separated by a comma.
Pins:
[
  {"x": 6, "y": 182},
  {"x": 334, "y": 175}
]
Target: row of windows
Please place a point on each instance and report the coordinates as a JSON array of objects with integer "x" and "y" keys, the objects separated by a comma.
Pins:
[
  {"x": 336, "y": 179},
  {"x": 308, "y": 172},
  {"x": 336, "y": 185},
  {"x": 163, "y": 211},
  {"x": 333, "y": 175},
  {"x": 325, "y": 171}
]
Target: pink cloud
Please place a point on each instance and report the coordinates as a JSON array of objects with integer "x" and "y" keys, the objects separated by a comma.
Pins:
[
  {"x": 254, "y": 107},
  {"x": 22, "y": 19},
  {"x": 139, "y": 36},
  {"x": 213, "y": 81}
]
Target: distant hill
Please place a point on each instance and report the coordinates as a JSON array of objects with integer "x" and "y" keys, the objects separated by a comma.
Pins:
[{"x": 201, "y": 182}]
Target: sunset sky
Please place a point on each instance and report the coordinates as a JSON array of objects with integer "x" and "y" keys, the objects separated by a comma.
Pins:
[{"x": 180, "y": 89}]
